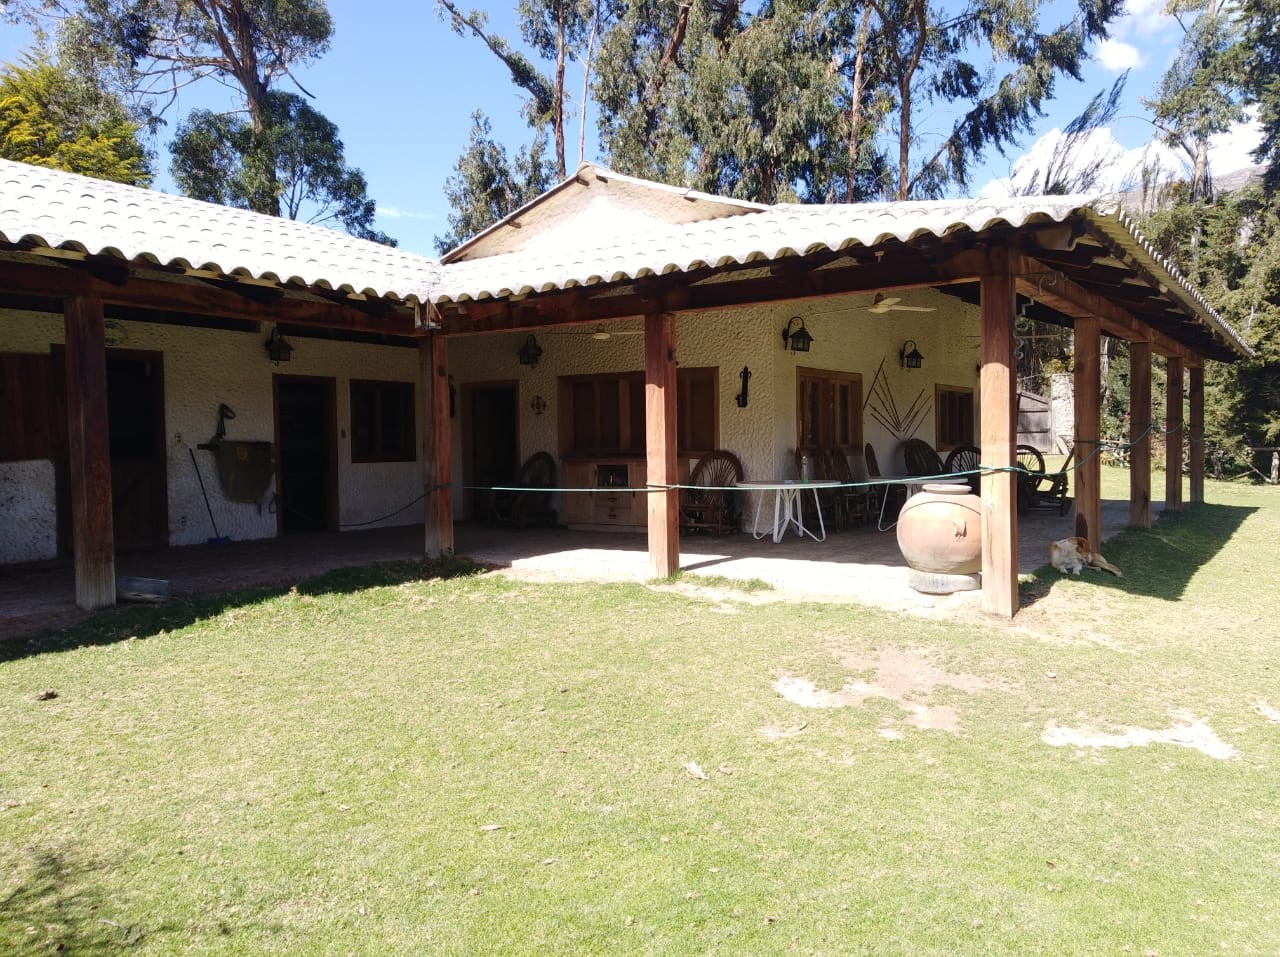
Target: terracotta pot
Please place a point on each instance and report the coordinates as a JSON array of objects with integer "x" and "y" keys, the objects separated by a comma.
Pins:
[{"x": 940, "y": 530}]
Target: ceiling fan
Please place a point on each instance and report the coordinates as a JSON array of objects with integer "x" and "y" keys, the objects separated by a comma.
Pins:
[
  {"x": 883, "y": 304},
  {"x": 600, "y": 333}
]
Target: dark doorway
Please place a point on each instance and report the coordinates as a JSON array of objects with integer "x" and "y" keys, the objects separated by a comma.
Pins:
[
  {"x": 135, "y": 422},
  {"x": 494, "y": 444},
  {"x": 306, "y": 454}
]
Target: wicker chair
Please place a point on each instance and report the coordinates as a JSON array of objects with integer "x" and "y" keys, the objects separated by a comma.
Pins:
[
  {"x": 712, "y": 504},
  {"x": 519, "y": 508}
]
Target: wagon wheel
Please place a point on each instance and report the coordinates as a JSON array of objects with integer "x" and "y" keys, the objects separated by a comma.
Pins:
[
  {"x": 1031, "y": 470},
  {"x": 965, "y": 458},
  {"x": 538, "y": 472}
]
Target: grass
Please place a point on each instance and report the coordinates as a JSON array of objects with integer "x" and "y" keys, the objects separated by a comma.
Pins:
[{"x": 415, "y": 759}]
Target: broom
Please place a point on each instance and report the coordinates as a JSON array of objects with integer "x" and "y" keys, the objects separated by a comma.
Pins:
[{"x": 218, "y": 538}]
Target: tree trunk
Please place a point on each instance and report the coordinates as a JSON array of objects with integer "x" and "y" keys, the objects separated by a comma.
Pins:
[{"x": 855, "y": 107}]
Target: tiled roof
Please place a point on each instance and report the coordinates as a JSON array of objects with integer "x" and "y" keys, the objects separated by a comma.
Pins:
[
  {"x": 775, "y": 232},
  {"x": 49, "y": 208},
  {"x": 786, "y": 230}
]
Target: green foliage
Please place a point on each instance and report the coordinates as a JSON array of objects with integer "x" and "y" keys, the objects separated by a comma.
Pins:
[
  {"x": 1260, "y": 60},
  {"x": 294, "y": 167},
  {"x": 486, "y": 185},
  {"x": 1199, "y": 95},
  {"x": 50, "y": 117},
  {"x": 793, "y": 99},
  {"x": 1238, "y": 267}
]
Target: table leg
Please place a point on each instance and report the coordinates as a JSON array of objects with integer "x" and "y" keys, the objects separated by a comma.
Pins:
[
  {"x": 779, "y": 496},
  {"x": 817, "y": 504},
  {"x": 755, "y": 525}
]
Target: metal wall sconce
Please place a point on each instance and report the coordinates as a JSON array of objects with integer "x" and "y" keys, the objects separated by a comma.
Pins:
[
  {"x": 530, "y": 352},
  {"x": 800, "y": 340},
  {"x": 912, "y": 359},
  {"x": 741, "y": 397},
  {"x": 539, "y": 405},
  {"x": 278, "y": 349}
]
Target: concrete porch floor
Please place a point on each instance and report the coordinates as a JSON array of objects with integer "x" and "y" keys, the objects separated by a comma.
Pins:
[{"x": 862, "y": 565}]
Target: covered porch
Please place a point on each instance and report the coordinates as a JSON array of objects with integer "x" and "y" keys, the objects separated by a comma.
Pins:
[{"x": 857, "y": 567}]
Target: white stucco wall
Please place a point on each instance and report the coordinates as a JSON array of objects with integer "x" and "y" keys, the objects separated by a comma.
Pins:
[
  {"x": 763, "y": 435},
  {"x": 203, "y": 368}
]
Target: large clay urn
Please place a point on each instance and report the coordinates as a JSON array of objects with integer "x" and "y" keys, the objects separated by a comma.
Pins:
[{"x": 940, "y": 531}]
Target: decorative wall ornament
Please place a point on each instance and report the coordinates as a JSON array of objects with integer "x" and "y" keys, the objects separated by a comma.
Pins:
[{"x": 884, "y": 407}]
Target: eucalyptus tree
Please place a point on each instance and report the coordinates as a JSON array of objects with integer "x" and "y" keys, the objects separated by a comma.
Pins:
[
  {"x": 486, "y": 184},
  {"x": 296, "y": 157},
  {"x": 557, "y": 31},
  {"x": 1200, "y": 94},
  {"x": 1260, "y": 64}
]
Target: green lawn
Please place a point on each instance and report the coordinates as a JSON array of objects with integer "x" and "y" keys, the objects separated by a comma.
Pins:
[{"x": 387, "y": 762}]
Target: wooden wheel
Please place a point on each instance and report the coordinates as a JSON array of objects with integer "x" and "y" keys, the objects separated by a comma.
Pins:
[
  {"x": 967, "y": 459},
  {"x": 1030, "y": 464}
]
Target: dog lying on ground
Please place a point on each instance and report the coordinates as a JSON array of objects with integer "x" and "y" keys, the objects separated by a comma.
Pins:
[{"x": 1073, "y": 554}]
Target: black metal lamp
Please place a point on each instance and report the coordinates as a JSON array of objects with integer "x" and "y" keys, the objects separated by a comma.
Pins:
[
  {"x": 741, "y": 397},
  {"x": 912, "y": 359},
  {"x": 799, "y": 339},
  {"x": 278, "y": 348},
  {"x": 530, "y": 352}
]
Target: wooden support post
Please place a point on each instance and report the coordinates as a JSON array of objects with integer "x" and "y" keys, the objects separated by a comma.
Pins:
[
  {"x": 1173, "y": 440},
  {"x": 89, "y": 450},
  {"x": 660, "y": 443},
  {"x": 1088, "y": 389},
  {"x": 437, "y": 445},
  {"x": 999, "y": 438},
  {"x": 1140, "y": 434},
  {"x": 1195, "y": 427}
]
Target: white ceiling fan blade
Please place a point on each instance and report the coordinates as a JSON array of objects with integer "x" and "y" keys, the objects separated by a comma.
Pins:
[{"x": 910, "y": 309}]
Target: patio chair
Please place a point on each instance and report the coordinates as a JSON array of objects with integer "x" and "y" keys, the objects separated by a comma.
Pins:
[
  {"x": 921, "y": 458},
  {"x": 537, "y": 479},
  {"x": 853, "y": 504},
  {"x": 1042, "y": 489},
  {"x": 712, "y": 504},
  {"x": 966, "y": 458}
]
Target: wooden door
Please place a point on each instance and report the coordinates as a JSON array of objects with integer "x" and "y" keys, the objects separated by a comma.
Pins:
[
  {"x": 139, "y": 477},
  {"x": 493, "y": 448},
  {"x": 306, "y": 454}
]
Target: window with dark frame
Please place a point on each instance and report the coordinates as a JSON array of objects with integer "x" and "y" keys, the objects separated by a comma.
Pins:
[
  {"x": 382, "y": 422},
  {"x": 604, "y": 414},
  {"x": 953, "y": 407},
  {"x": 828, "y": 410}
]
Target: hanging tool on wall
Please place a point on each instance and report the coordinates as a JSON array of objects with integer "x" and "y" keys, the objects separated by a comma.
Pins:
[{"x": 218, "y": 538}]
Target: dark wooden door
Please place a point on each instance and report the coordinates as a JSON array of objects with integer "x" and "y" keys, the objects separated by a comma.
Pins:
[
  {"x": 306, "y": 457},
  {"x": 135, "y": 420},
  {"x": 494, "y": 441}
]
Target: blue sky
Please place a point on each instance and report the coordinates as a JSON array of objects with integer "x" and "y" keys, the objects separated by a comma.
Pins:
[{"x": 401, "y": 86}]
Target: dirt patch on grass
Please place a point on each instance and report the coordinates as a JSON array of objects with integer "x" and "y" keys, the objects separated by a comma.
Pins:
[
  {"x": 1186, "y": 732},
  {"x": 902, "y": 677}
]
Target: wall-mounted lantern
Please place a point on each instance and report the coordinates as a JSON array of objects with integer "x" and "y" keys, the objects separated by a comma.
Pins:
[
  {"x": 741, "y": 397},
  {"x": 278, "y": 348},
  {"x": 799, "y": 339},
  {"x": 530, "y": 352},
  {"x": 910, "y": 359}
]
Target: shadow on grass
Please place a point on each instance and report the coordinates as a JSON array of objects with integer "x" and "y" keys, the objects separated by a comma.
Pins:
[
  {"x": 55, "y": 909},
  {"x": 1160, "y": 561},
  {"x": 143, "y": 621}
]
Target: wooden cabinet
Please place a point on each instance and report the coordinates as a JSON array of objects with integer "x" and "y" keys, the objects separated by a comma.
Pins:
[{"x": 614, "y": 505}]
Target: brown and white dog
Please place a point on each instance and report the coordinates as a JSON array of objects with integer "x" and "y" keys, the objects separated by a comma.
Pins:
[{"x": 1073, "y": 554}]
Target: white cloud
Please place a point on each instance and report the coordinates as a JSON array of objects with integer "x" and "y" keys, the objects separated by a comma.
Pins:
[
  {"x": 1144, "y": 18},
  {"x": 395, "y": 212},
  {"x": 1229, "y": 151},
  {"x": 1117, "y": 56}
]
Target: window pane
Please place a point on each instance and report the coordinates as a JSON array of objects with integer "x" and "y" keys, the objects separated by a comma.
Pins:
[
  {"x": 610, "y": 423},
  {"x": 363, "y": 420},
  {"x": 584, "y": 415}
]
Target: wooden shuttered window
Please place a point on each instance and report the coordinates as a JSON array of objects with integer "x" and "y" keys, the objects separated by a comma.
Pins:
[
  {"x": 604, "y": 414},
  {"x": 31, "y": 426},
  {"x": 829, "y": 410},
  {"x": 953, "y": 409},
  {"x": 382, "y": 422}
]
